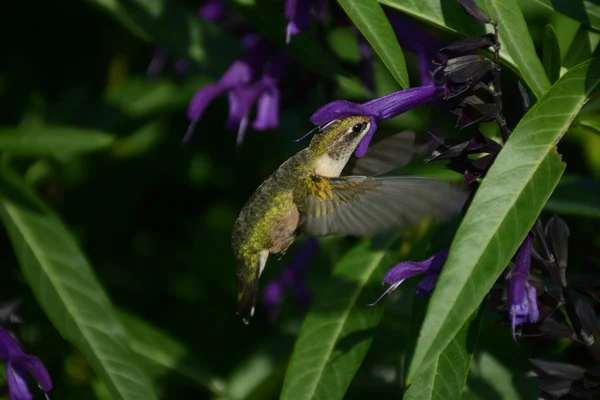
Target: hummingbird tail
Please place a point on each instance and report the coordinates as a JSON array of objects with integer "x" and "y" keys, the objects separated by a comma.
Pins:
[{"x": 248, "y": 271}]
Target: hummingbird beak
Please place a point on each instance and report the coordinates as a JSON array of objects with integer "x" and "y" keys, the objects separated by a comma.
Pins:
[{"x": 315, "y": 129}]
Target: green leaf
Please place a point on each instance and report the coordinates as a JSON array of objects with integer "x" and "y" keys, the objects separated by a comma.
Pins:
[
  {"x": 447, "y": 377},
  {"x": 582, "y": 48},
  {"x": 576, "y": 196},
  {"x": 585, "y": 11},
  {"x": 52, "y": 140},
  {"x": 339, "y": 327},
  {"x": 551, "y": 55},
  {"x": 505, "y": 207},
  {"x": 160, "y": 353},
  {"x": 66, "y": 288},
  {"x": 368, "y": 16},
  {"x": 515, "y": 38}
]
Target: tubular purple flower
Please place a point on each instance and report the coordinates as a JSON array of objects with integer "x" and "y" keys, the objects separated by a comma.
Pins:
[
  {"x": 430, "y": 269},
  {"x": 522, "y": 297},
  {"x": 385, "y": 107},
  {"x": 17, "y": 365},
  {"x": 298, "y": 14},
  {"x": 239, "y": 81}
]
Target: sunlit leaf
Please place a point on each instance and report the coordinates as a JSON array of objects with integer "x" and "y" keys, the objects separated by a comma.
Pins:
[
  {"x": 160, "y": 353},
  {"x": 514, "y": 36},
  {"x": 585, "y": 11},
  {"x": 368, "y": 16},
  {"x": 52, "y": 140},
  {"x": 551, "y": 55},
  {"x": 504, "y": 209},
  {"x": 446, "y": 378},
  {"x": 339, "y": 327},
  {"x": 66, "y": 288}
]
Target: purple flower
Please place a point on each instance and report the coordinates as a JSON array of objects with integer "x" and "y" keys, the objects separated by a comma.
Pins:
[
  {"x": 212, "y": 10},
  {"x": 249, "y": 80},
  {"x": 378, "y": 109},
  {"x": 522, "y": 297},
  {"x": 430, "y": 269},
  {"x": 17, "y": 365},
  {"x": 293, "y": 277},
  {"x": 297, "y": 13}
]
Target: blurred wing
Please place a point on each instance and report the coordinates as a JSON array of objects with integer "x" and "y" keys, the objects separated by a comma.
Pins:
[
  {"x": 392, "y": 152},
  {"x": 361, "y": 206}
]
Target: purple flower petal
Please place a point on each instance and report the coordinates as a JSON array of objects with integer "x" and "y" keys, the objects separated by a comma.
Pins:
[
  {"x": 363, "y": 146},
  {"x": 212, "y": 10},
  {"x": 267, "y": 110},
  {"x": 298, "y": 14},
  {"x": 408, "y": 269},
  {"x": 522, "y": 297},
  {"x": 35, "y": 367},
  {"x": 17, "y": 382},
  {"x": 157, "y": 64}
]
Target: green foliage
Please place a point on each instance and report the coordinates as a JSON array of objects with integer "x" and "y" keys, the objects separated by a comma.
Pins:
[
  {"x": 515, "y": 38},
  {"x": 63, "y": 282},
  {"x": 339, "y": 327},
  {"x": 503, "y": 211},
  {"x": 369, "y": 17},
  {"x": 105, "y": 210}
]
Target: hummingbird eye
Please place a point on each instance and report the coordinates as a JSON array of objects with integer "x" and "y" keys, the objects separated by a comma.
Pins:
[{"x": 358, "y": 128}]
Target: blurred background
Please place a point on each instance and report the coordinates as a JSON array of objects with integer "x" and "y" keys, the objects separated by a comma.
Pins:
[{"x": 154, "y": 216}]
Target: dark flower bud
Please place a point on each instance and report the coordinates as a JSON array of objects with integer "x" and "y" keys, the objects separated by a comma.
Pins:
[
  {"x": 557, "y": 233},
  {"x": 470, "y": 44},
  {"x": 472, "y": 110},
  {"x": 589, "y": 324},
  {"x": 461, "y": 73},
  {"x": 543, "y": 368},
  {"x": 474, "y": 11}
]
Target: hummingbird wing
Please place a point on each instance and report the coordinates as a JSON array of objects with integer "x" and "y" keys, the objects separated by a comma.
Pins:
[
  {"x": 391, "y": 152},
  {"x": 362, "y": 206}
]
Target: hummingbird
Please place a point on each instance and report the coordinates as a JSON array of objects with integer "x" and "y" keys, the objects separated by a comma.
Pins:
[{"x": 307, "y": 195}]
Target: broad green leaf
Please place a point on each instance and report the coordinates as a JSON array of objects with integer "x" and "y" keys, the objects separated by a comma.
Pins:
[
  {"x": 369, "y": 17},
  {"x": 505, "y": 207},
  {"x": 52, "y": 140},
  {"x": 66, "y": 288},
  {"x": 339, "y": 327},
  {"x": 515, "y": 38},
  {"x": 585, "y": 11},
  {"x": 583, "y": 47},
  {"x": 160, "y": 353},
  {"x": 446, "y": 378},
  {"x": 551, "y": 55},
  {"x": 576, "y": 196}
]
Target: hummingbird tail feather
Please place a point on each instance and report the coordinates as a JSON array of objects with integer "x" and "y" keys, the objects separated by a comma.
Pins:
[{"x": 248, "y": 271}]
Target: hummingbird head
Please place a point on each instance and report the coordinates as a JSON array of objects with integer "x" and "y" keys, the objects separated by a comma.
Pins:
[{"x": 333, "y": 144}]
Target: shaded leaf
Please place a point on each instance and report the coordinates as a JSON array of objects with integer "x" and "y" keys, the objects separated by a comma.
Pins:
[
  {"x": 339, "y": 327},
  {"x": 52, "y": 140},
  {"x": 504, "y": 209},
  {"x": 585, "y": 11},
  {"x": 576, "y": 196},
  {"x": 551, "y": 54},
  {"x": 159, "y": 353},
  {"x": 515, "y": 38},
  {"x": 66, "y": 288},
  {"x": 582, "y": 48},
  {"x": 370, "y": 19}
]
